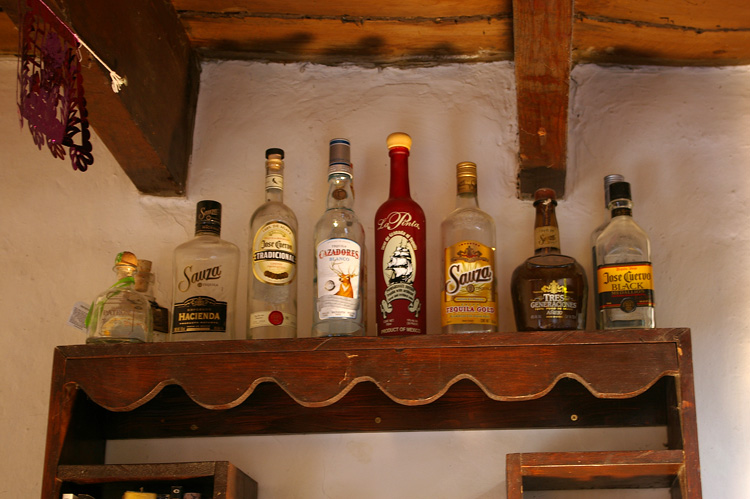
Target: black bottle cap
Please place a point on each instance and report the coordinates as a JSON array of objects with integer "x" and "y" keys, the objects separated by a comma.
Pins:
[
  {"x": 619, "y": 190},
  {"x": 208, "y": 217},
  {"x": 275, "y": 150}
]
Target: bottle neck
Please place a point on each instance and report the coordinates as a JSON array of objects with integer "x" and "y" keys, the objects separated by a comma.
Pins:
[
  {"x": 466, "y": 200},
  {"x": 340, "y": 191},
  {"x": 399, "y": 173},
  {"x": 621, "y": 207},
  {"x": 274, "y": 183},
  {"x": 546, "y": 232}
]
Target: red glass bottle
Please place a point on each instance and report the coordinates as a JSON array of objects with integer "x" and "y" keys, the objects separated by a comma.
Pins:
[{"x": 400, "y": 251}]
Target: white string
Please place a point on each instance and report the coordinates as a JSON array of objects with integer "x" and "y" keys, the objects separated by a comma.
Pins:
[{"x": 117, "y": 81}]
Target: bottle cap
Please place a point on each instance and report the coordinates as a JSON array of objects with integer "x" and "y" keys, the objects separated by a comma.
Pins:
[
  {"x": 339, "y": 157},
  {"x": 609, "y": 180},
  {"x": 126, "y": 259},
  {"x": 619, "y": 190},
  {"x": 208, "y": 217},
  {"x": 398, "y": 139},
  {"x": 466, "y": 177},
  {"x": 274, "y": 151}
]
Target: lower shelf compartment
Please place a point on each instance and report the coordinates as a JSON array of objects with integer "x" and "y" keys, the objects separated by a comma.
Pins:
[
  {"x": 211, "y": 479},
  {"x": 593, "y": 470}
]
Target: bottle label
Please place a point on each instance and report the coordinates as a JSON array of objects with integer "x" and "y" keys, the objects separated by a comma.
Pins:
[
  {"x": 274, "y": 181},
  {"x": 399, "y": 267},
  {"x": 469, "y": 295},
  {"x": 626, "y": 286},
  {"x": 274, "y": 254},
  {"x": 200, "y": 314},
  {"x": 272, "y": 318},
  {"x": 546, "y": 237},
  {"x": 339, "y": 264},
  {"x": 554, "y": 300}
]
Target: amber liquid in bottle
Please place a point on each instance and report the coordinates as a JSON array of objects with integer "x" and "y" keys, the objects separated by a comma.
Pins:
[
  {"x": 400, "y": 256},
  {"x": 549, "y": 290}
]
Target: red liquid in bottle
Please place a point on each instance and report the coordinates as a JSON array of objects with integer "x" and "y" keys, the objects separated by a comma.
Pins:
[{"x": 400, "y": 251}]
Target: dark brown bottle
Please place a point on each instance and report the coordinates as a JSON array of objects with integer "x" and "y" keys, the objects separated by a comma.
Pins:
[{"x": 549, "y": 289}]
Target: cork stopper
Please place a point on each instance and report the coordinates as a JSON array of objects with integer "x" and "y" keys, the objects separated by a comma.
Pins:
[
  {"x": 126, "y": 259},
  {"x": 274, "y": 153},
  {"x": 399, "y": 139},
  {"x": 545, "y": 194},
  {"x": 619, "y": 190},
  {"x": 144, "y": 276}
]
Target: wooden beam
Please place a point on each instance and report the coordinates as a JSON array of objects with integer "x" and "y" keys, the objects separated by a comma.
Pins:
[
  {"x": 148, "y": 126},
  {"x": 542, "y": 35}
]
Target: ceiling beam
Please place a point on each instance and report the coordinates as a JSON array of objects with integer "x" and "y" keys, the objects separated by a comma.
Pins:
[
  {"x": 148, "y": 125},
  {"x": 542, "y": 38}
]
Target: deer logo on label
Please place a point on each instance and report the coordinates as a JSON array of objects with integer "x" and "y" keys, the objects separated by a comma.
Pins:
[{"x": 345, "y": 289}]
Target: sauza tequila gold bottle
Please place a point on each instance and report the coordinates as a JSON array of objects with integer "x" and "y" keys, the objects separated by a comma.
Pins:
[{"x": 469, "y": 297}]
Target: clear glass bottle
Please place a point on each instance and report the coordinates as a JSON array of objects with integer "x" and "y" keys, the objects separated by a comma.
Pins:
[
  {"x": 548, "y": 290},
  {"x": 144, "y": 283},
  {"x": 204, "y": 289},
  {"x": 608, "y": 180},
  {"x": 339, "y": 274},
  {"x": 624, "y": 271},
  {"x": 400, "y": 251},
  {"x": 272, "y": 265},
  {"x": 120, "y": 314},
  {"x": 469, "y": 296}
]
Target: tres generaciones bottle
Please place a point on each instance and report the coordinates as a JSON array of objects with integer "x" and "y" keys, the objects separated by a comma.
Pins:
[
  {"x": 339, "y": 273},
  {"x": 624, "y": 273},
  {"x": 400, "y": 251},
  {"x": 120, "y": 314},
  {"x": 204, "y": 288},
  {"x": 549, "y": 289},
  {"x": 608, "y": 180},
  {"x": 469, "y": 297},
  {"x": 272, "y": 276}
]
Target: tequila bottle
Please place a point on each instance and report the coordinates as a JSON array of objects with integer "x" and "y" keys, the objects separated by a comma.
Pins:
[
  {"x": 548, "y": 289},
  {"x": 469, "y": 296},
  {"x": 204, "y": 286},
  {"x": 400, "y": 251},
  {"x": 608, "y": 180},
  {"x": 144, "y": 283},
  {"x": 339, "y": 274},
  {"x": 120, "y": 314},
  {"x": 272, "y": 276},
  {"x": 624, "y": 271}
]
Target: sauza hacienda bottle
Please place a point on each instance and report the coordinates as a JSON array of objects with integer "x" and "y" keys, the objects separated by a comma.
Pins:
[
  {"x": 469, "y": 296},
  {"x": 548, "y": 289},
  {"x": 608, "y": 180},
  {"x": 400, "y": 252},
  {"x": 272, "y": 276},
  {"x": 120, "y": 314},
  {"x": 624, "y": 273},
  {"x": 204, "y": 288},
  {"x": 339, "y": 271}
]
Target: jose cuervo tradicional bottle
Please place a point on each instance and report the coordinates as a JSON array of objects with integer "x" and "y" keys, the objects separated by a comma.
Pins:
[
  {"x": 400, "y": 252},
  {"x": 272, "y": 263},
  {"x": 624, "y": 273},
  {"x": 549, "y": 290},
  {"x": 204, "y": 288},
  {"x": 120, "y": 314},
  {"x": 608, "y": 180},
  {"x": 469, "y": 297},
  {"x": 339, "y": 273}
]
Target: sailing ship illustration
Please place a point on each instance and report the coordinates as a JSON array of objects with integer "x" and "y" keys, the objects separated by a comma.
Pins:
[{"x": 400, "y": 265}]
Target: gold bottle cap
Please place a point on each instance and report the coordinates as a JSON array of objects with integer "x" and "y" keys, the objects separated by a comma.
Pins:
[
  {"x": 399, "y": 139},
  {"x": 466, "y": 177},
  {"x": 466, "y": 169}
]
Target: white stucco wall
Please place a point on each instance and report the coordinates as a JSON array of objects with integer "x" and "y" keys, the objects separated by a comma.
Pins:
[{"x": 680, "y": 136}]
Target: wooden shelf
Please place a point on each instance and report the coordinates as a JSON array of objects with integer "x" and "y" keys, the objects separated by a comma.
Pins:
[{"x": 437, "y": 382}]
